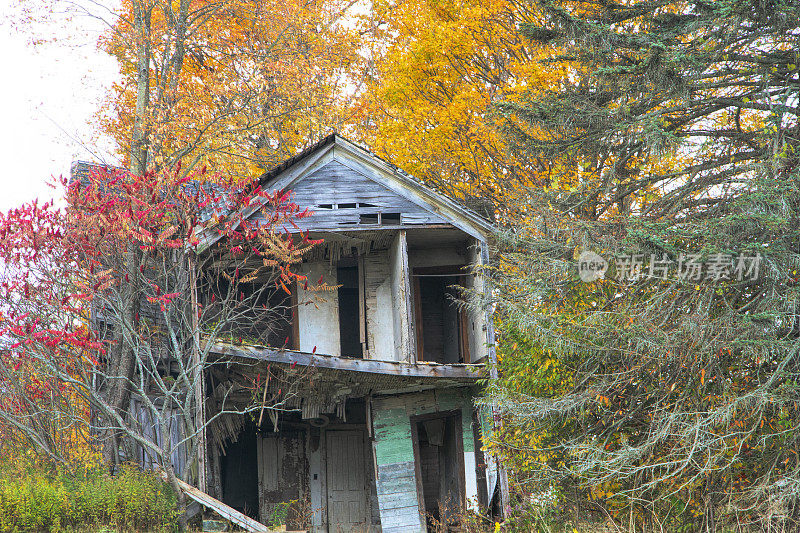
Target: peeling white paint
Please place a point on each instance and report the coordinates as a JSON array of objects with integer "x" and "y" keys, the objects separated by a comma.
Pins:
[
  {"x": 318, "y": 311},
  {"x": 471, "y": 481}
]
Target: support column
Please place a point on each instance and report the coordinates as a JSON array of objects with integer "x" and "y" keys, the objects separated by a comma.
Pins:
[{"x": 405, "y": 340}]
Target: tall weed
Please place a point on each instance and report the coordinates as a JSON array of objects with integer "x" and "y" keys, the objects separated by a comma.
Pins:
[{"x": 38, "y": 497}]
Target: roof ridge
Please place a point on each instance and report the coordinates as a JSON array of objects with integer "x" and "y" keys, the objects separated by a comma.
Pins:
[{"x": 330, "y": 139}]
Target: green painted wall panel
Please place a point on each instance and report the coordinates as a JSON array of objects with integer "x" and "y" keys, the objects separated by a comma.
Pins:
[
  {"x": 392, "y": 436},
  {"x": 394, "y": 450}
]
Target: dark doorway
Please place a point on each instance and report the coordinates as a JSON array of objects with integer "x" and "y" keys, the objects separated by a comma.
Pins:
[
  {"x": 439, "y": 453},
  {"x": 283, "y": 476},
  {"x": 349, "y": 313},
  {"x": 440, "y": 321},
  {"x": 239, "y": 477}
]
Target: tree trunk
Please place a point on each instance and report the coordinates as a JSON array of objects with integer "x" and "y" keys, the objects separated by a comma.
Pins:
[
  {"x": 139, "y": 135},
  {"x": 173, "y": 481}
]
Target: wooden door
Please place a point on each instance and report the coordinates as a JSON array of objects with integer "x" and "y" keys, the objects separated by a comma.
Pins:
[
  {"x": 347, "y": 501},
  {"x": 282, "y": 471}
]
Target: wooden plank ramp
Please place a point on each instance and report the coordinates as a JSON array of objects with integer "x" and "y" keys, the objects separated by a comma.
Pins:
[{"x": 225, "y": 511}]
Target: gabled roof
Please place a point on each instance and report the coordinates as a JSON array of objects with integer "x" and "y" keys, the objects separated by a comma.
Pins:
[{"x": 359, "y": 159}]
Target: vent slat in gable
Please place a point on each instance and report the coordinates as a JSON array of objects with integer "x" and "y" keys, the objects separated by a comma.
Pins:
[{"x": 335, "y": 184}]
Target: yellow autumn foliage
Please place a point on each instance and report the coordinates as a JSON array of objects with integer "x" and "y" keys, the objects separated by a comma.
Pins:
[{"x": 441, "y": 66}]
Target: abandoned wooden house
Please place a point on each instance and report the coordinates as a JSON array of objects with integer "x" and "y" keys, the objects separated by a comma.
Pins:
[{"x": 382, "y": 434}]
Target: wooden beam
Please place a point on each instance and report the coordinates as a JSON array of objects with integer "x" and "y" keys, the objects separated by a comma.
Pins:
[
  {"x": 229, "y": 513},
  {"x": 396, "y": 368}
]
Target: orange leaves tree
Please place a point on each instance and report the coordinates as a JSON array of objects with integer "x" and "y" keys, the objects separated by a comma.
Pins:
[
  {"x": 87, "y": 334},
  {"x": 235, "y": 85}
]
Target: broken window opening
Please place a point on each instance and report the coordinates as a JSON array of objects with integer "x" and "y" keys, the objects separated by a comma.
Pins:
[
  {"x": 349, "y": 311},
  {"x": 439, "y": 458},
  {"x": 370, "y": 218},
  {"x": 390, "y": 219},
  {"x": 440, "y": 321},
  {"x": 260, "y": 312}
]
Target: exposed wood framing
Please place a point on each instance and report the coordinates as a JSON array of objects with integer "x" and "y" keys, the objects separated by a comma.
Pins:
[
  {"x": 362, "y": 308},
  {"x": 455, "y": 414},
  {"x": 418, "y": 471}
]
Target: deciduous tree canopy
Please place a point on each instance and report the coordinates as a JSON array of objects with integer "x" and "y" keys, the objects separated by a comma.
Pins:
[{"x": 236, "y": 85}]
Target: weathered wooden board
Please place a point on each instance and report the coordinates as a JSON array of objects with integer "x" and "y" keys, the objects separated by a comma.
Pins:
[
  {"x": 281, "y": 465},
  {"x": 347, "y": 488},
  {"x": 397, "y": 496},
  {"x": 397, "y": 368},
  {"x": 343, "y": 198},
  {"x": 378, "y": 302},
  {"x": 318, "y": 311},
  {"x": 396, "y": 500},
  {"x": 404, "y": 339},
  {"x": 151, "y": 429},
  {"x": 396, "y": 483},
  {"x": 335, "y": 156},
  {"x": 243, "y": 521}
]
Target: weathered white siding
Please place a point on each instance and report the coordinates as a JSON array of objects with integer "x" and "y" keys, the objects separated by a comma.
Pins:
[
  {"x": 318, "y": 311},
  {"x": 378, "y": 289}
]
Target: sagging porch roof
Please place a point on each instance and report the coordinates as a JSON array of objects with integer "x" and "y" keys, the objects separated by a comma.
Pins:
[
  {"x": 466, "y": 373},
  {"x": 314, "y": 384}
]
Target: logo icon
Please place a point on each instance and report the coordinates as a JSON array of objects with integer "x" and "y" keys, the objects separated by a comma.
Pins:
[{"x": 591, "y": 266}]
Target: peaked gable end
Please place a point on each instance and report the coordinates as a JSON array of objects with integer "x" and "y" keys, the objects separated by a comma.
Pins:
[
  {"x": 341, "y": 197},
  {"x": 348, "y": 187}
]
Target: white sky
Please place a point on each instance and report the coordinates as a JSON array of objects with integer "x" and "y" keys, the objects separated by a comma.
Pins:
[{"x": 49, "y": 96}]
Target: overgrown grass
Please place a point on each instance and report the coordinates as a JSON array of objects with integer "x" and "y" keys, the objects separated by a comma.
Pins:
[{"x": 38, "y": 498}]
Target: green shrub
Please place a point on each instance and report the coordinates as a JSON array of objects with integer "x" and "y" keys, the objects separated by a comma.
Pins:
[{"x": 39, "y": 498}]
